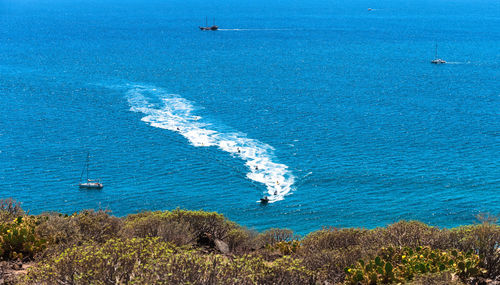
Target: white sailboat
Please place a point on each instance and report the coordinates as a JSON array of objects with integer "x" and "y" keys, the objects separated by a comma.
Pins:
[
  {"x": 89, "y": 183},
  {"x": 437, "y": 60}
]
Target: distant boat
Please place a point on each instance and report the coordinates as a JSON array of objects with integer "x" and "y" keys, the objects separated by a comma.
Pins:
[
  {"x": 264, "y": 200},
  {"x": 89, "y": 183},
  {"x": 437, "y": 60},
  {"x": 207, "y": 28}
]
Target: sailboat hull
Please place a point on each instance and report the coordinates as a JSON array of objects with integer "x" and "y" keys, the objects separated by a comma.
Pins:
[
  {"x": 438, "y": 61},
  {"x": 212, "y": 28},
  {"x": 91, "y": 185}
]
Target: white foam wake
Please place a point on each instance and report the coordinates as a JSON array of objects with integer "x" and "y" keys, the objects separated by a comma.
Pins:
[
  {"x": 174, "y": 113},
  {"x": 255, "y": 29}
]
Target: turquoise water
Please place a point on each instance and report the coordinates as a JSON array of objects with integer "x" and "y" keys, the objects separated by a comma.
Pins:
[{"x": 332, "y": 110}]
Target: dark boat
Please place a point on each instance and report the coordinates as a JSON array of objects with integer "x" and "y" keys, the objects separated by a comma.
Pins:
[
  {"x": 212, "y": 28},
  {"x": 264, "y": 200},
  {"x": 207, "y": 28},
  {"x": 89, "y": 184}
]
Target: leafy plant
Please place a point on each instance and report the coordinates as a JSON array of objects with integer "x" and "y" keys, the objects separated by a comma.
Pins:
[
  {"x": 400, "y": 266},
  {"x": 288, "y": 247},
  {"x": 18, "y": 239}
]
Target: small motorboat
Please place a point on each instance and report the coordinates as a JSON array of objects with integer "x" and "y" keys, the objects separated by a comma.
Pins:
[
  {"x": 89, "y": 184},
  {"x": 264, "y": 200}
]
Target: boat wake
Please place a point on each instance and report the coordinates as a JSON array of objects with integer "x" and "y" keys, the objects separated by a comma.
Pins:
[
  {"x": 457, "y": 62},
  {"x": 174, "y": 113},
  {"x": 254, "y": 29}
]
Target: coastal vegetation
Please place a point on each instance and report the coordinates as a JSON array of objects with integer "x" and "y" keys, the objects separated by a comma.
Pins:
[{"x": 198, "y": 247}]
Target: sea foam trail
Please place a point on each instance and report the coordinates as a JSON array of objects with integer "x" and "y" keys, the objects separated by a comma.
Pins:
[
  {"x": 256, "y": 29},
  {"x": 174, "y": 113}
]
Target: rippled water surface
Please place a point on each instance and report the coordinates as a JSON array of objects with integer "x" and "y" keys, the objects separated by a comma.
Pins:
[{"x": 331, "y": 110}]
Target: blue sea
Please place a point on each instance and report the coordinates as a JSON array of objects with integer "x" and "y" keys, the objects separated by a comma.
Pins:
[{"x": 330, "y": 108}]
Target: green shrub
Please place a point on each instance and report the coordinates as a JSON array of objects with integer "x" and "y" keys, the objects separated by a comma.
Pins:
[
  {"x": 400, "y": 266},
  {"x": 178, "y": 247},
  {"x": 288, "y": 247},
  {"x": 151, "y": 261},
  {"x": 484, "y": 240},
  {"x": 18, "y": 239},
  {"x": 112, "y": 262}
]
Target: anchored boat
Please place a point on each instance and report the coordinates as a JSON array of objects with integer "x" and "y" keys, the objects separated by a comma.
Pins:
[
  {"x": 89, "y": 183},
  {"x": 437, "y": 60}
]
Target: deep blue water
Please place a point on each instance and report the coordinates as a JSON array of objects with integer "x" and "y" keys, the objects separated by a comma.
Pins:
[{"x": 334, "y": 107}]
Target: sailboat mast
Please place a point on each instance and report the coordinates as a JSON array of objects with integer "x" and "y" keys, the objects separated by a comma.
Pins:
[
  {"x": 88, "y": 158},
  {"x": 83, "y": 170},
  {"x": 89, "y": 184},
  {"x": 206, "y": 21},
  {"x": 436, "y": 52}
]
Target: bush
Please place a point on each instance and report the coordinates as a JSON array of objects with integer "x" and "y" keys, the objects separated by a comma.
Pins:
[
  {"x": 184, "y": 227},
  {"x": 484, "y": 240},
  {"x": 178, "y": 247},
  {"x": 329, "y": 264},
  {"x": 151, "y": 261},
  {"x": 436, "y": 279},
  {"x": 18, "y": 239},
  {"x": 400, "y": 266},
  {"x": 58, "y": 229},
  {"x": 332, "y": 238},
  {"x": 274, "y": 236},
  {"x": 210, "y": 223},
  {"x": 9, "y": 210},
  {"x": 241, "y": 240},
  {"x": 98, "y": 225},
  {"x": 330, "y": 250},
  {"x": 158, "y": 224},
  {"x": 410, "y": 234},
  {"x": 113, "y": 262},
  {"x": 87, "y": 225},
  {"x": 285, "y": 270}
]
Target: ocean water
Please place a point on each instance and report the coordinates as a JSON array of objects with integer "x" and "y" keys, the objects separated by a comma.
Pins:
[{"x": 331, "y": 110}]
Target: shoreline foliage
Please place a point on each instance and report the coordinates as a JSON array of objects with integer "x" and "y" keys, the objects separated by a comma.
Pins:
[{"x": 198, "y": 247}]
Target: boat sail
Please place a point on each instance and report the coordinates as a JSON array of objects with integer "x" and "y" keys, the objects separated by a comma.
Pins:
[{"x": 89, "y": 183}]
